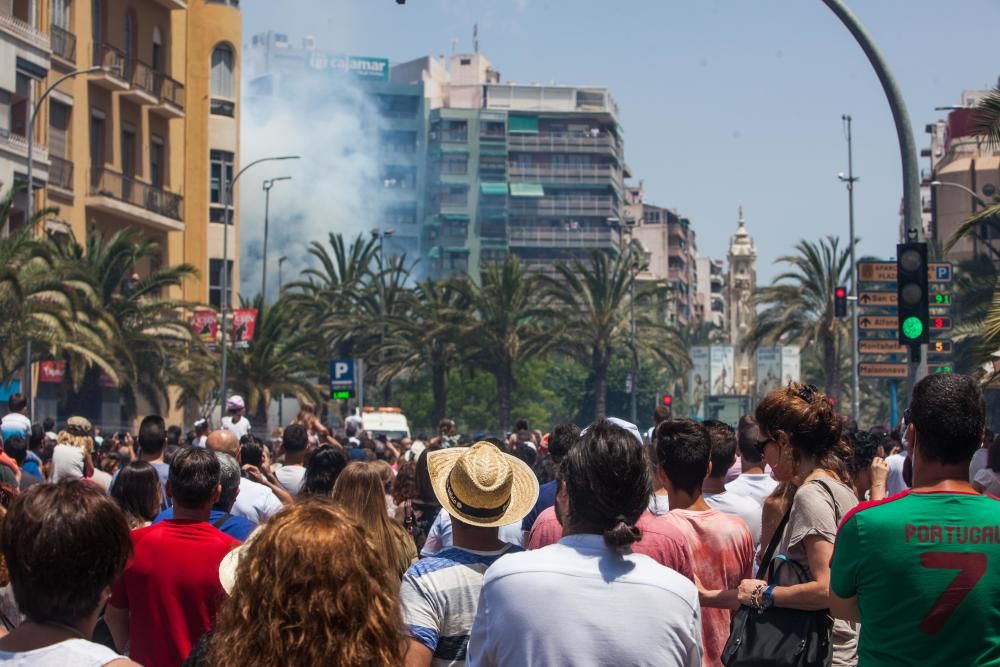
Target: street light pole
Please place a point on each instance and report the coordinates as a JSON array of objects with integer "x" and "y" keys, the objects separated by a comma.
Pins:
[
  {"x": 380, "y": 234},
  {"x": 268, "y": 184},
  {"x": 30, "y": 209},
  {"x": 850, "y": 180},
  {"x": 227, "y": 192},
  {"x": 281, "y": 398}
]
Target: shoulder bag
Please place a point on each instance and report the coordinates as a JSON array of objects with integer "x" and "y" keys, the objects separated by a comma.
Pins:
[{"x": 781, "y": 637}]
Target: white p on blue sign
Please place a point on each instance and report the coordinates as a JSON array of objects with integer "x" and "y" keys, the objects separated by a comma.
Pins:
[{"x": 342, "y": 379}]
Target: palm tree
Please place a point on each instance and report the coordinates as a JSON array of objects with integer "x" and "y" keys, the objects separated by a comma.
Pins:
[
  {"x": 798, "y": 305},
  {"x": 279, "y": 360},
  {"x": 595, "y": 317},
  {"x": 508, "y": 323},
  {"x": 145, "y": 330},
  {"x": 425, "y": 337}
]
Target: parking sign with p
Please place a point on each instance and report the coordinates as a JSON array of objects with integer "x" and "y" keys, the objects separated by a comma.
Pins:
[{"x": 341, "y": 379}]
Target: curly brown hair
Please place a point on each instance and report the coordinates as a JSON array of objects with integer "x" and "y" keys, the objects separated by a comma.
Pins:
[{"x": 310, "y": 590}]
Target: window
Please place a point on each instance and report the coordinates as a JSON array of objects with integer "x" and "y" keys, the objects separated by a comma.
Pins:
[
  {"x": 455, "y": 164},
  {"x": 157, "y": 60},
  {"x": 19, "y": 105},
  {"x": 97, "y": 141},
  {"x": 128, "y": 150},
  {"x": 223, "y": 83},
  {"x": 402, "y": 214},
  {"x": 231, "y": 3},
  {"x": 129, "y": 38},
  {"x": 215, "y": 283},
  {"x": 156, "y": 161},
  {"x": 399, "y": 177},
  {"x": 97, "y": 21},
  {"x": 59, "y": 129},
  {"x": 220, "y": 161},
  {"x": 60, "y": 14},
  {"x": 399, "y": 141}
]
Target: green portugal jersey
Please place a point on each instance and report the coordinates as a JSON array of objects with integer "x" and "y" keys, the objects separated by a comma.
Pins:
[{"x": 925, "y": 568}]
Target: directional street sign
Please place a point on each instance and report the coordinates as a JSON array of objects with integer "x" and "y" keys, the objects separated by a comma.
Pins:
[
  {"x": 885, "y": 272},
  {"x": 940, "y": 272},
  {"x": 877, "y": 299},
  {"x": 878, "y": 322},
  {"x": 881, "y": 346},
  {"x": 882, "y": 370},
  {"x": 940, "y": 347}
]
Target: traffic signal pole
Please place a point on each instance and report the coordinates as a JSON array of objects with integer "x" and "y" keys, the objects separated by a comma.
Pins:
[
  {"x": 855, "y": 385},
  {"x": 907, "y": 146}
]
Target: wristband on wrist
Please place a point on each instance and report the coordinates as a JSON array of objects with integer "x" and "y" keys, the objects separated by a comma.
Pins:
[{"x": 768, "y": 597}]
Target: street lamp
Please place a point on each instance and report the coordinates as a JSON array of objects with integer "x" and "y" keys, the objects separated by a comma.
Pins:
[
  {"x": 938, "y": 184},
  {"x": 224, "y": 300},
  {"x": 380, "y": 234},
  {"x": 268, "y": 184},
  {"x": 30, "y": 208},
  {"x": 850, "y": 180}
]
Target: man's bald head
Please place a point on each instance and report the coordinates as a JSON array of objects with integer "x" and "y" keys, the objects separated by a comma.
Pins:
[{"x": 224, "y": 441}]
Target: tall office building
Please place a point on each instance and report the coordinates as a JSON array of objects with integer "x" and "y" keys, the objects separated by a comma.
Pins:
[{"x": 142, "y": 144}]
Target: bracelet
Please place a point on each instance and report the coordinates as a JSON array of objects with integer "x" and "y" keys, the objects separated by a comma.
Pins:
[
  {"x": 769, "y": 597},
  {"x": 755, "y": 597}
]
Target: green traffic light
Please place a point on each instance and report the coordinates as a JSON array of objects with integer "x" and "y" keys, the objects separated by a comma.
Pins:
[{"x": 913, "y": 327}]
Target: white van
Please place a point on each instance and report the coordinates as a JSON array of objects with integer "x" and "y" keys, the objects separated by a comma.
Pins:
[{"x": 390, "y": 421}]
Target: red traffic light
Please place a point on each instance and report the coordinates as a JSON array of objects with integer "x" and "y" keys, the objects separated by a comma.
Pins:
[
  {"x": 840, "y": 293},
  {"x": 667, "y": 399}
]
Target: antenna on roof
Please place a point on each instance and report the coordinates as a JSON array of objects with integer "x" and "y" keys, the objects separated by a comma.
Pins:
[{"x": 475, "y": 37}]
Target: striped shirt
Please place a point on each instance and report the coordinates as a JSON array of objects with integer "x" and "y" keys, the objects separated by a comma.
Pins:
[{"x": 440, "y": 595}]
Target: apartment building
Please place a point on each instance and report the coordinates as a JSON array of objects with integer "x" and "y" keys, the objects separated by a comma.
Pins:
[
  {"x": 142, "y": 143},
  {"x": 710, "y": 298}
]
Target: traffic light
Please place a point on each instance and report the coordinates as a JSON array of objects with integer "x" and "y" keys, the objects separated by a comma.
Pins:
[
  {"x": 911, "y": 294},
  {"x": 840, "y": 302},
  {"x": 667, "y": 400}
]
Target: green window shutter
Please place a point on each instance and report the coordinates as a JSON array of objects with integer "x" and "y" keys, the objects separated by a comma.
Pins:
[
  {"x": 493, "y": 188},
  {"x": 522, "y": 124},
  {"x": 526, "y": 190}
]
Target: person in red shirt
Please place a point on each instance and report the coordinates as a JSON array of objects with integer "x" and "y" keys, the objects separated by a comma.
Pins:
[{"x": 167, "y": 597}]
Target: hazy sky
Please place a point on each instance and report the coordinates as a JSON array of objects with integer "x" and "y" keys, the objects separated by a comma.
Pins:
[{"x": 723, "y": 102}]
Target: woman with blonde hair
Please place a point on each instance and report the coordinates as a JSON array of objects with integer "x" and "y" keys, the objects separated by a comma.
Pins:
[
  {"x": 72, "y": 457},
  {"x": 310, "y": 590},
  {"x": 360, "y": 491}
]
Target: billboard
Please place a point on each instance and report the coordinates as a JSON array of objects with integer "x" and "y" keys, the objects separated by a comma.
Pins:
[
  {"x": 722, "y": 372},
  {"x": 244, "y": 322},
  {"x": 791, "y": 368},
  {"x": 206, "y": 325},
  {"x": 769, "y": 371},
  {"x": 370, "y": 69},
  {"x": 698, "y": 382},
  {"x": 727, "y": 409}
]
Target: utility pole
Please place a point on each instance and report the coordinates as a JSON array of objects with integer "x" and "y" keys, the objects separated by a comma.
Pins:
[
  {"x": 850, "y": 180},
  {"x": 268, "y": 184}
]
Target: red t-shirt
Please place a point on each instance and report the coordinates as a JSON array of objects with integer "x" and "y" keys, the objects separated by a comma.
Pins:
[
  {"x": 661, "y": 540},
  {"x": 171, "y": 588}
]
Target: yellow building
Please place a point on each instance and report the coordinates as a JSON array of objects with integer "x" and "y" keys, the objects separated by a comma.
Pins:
[{"x": 141, "y": 144}]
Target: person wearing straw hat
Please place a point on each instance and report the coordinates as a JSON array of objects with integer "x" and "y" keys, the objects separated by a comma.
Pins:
[
  {"x": 482, "y": 489},
  {"x": 589, "y": 600}
]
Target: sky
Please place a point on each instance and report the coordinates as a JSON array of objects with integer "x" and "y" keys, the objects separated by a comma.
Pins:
[{"x": 723, "y": 102}]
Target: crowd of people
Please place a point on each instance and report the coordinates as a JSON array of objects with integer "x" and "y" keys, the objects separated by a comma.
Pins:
[{"x": 795, "y": 538}]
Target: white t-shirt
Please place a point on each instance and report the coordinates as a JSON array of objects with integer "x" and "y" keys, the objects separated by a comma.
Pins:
[
  {"x": 255, "y": 502},
  {"x": 439, "y": 537},
  {"x": 70, "y": 653},
  {"x": 895, "y": 484},
  {"x": 240, "y": 428},
  {"x": 978, "y": 462},
  {"x": 658, "y": 505},
  {"x": 291, "y": 478},
  {"x": 744, "y": 507},
  {"x": 756, "y": 486},
  {"x": 15, "y": 423},
  {"x": 989, "y": 480},
  {"x": 610, "y": 609}
]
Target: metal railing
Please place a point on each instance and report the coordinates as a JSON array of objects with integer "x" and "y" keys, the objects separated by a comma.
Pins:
[
  {"x": 108, "y": 183},
  {"x": 111, "y": 59},
  {"x": 63, "y": 43},
  {"x": 564, "y": 142},
  {"x": 451, "y": 136},
  {"x": 60, "y": 173},
  {"x": 559, "y": 237},
  {"x": 141, "y": 77},
  {"x": 169, "y": 90},
  {"x": 25, "y": 31},
  {"x": 569, "y": 205},
  {"x": 553, "y": 174},
  {"x": 19, "y": 143}
]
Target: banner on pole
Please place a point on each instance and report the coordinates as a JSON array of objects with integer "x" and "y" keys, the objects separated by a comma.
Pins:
[
  {"x": 51, "y": 372},
  {"x": 244, "y": 322},
  {"x": 206, "y": 325}
]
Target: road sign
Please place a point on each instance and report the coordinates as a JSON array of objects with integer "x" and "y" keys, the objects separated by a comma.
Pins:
[
  {"x": 881, "y": 346},
  {"x": 877, "y": 299},
  {"x": 878, "y": 322},
  {"x": 342, "y": 379},
  {"x": 940, "y": 299},
  {"x": 944, "y": 346},
  {"x": 940, "y": 323},
  {"x": 885, "y": 272},
  {"x": 882, "y": 370}
]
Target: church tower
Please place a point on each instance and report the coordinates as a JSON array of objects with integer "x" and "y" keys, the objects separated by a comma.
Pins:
[{"x": 741, "y": 283}]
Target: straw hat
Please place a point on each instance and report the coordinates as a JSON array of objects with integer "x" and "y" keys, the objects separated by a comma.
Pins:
[
  {"x": 482, "y": 486},
  {"x": 231, "y": 561}
]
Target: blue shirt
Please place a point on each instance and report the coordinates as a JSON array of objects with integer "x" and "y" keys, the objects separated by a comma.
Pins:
[
  {"x": 546, "y": 499},
  {"x": 235, "y": 526}
]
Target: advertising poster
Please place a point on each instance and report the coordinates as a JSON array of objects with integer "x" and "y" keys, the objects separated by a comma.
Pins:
[
  {"x": 698, "y": 382},
  {"x": 51, "y": 372},
  {"x": 244, "y": 321},
  {"x": 769, "y": 370},
  {"x": 790, "y": 365},
  {"x": 723, "y": 361},
  {"x": 727, "y": 409},
  {"x": 206, "y": 325}
]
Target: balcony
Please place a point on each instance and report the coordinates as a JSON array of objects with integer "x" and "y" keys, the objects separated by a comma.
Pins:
[
  {"x": 61, "y": 175},
  {"x": 565, "y": 206},
  {"x": 134, "y": 200},
  {"x": 171, "y": 96},
  {"x": 16, "y": 146},
  {"x": 552, "y": 174},
  {"x": 24, "y": 32},
  {"x": 112, "y": 60},
  {"x": 141, "y": 84},
  {"x": 63, "y": 45},
  {"x": 565, "y": 142},
  {"x": 559, "y": 237},
  {"x": 177, "y": 4}
]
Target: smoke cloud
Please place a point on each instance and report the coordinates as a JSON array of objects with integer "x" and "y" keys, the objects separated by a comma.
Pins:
[{"x": 333, "y": 126}]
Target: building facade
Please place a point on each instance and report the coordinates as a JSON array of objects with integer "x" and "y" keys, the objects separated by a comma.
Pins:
[
  {"x": 141, "y": 144},
  {"x": 960, "y": 157},
  {"x": 710, "y": 299}
]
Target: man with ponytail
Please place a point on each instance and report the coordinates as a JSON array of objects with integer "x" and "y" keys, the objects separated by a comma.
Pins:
[{"x": 614, "y": 607}]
